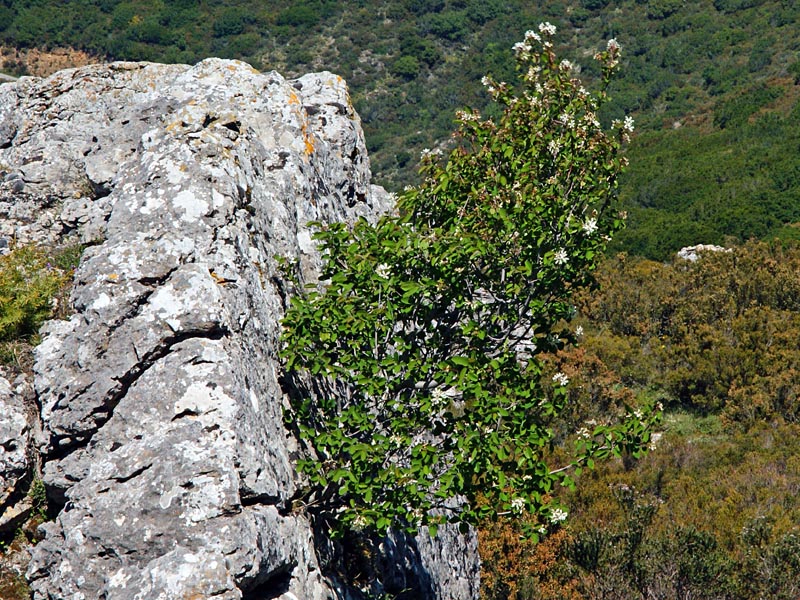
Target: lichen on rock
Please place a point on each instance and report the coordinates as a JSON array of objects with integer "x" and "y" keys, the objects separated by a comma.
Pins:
[{"x": 160, "y": 398}]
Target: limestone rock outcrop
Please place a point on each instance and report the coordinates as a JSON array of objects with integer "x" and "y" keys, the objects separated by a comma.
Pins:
[
  {"x": 161, "y": 410},
  {"x": 16, "y": 449}
]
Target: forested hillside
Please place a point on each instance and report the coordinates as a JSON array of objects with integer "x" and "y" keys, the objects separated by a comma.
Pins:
[
  {"x": 712, "y": 84},
  {"x": 714, "y": 87}
]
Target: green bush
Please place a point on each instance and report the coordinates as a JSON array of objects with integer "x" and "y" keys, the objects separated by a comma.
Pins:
[
  {"x": 406, "y": 67},
  {"x": 426, "y": 347},
  {"x": 451, "y": 25},
  {"x": 298, "y": 16},
  {"x": 232, "y": 21},
  {"x": 33, "y": 283},
  {"x": 661, "y": 9},
  {"x": 28, "y": 284}
]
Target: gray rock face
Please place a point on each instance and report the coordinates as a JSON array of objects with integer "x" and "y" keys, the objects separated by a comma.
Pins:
[
  {"x": 15, "y": 448},
  {"x": 160, "y": 400}
]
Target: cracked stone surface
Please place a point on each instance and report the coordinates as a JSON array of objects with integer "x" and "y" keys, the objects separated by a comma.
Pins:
[
  {"x": 160, "y": 403},
  {"x": 15, "y": 446}
]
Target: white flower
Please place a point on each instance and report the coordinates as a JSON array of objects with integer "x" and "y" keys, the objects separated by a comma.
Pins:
[
  {"x": 584, "y": 433},
  {"x": 590, "y": 226},
  {"x": 557, "y": 515},
  {"x": 591, "y": 118},
  {"x": 553, "y": 146},
  {"x": 565, "y": 65},
  {"x": 567, "y": 119},
  {"x": 579, "y": 330},
  {"x": 547, "y": 28},
  {"x": 360, "y": 523},
  {"x": 654, "y": 439},
  {"x": 638, "y": 414},
  {"x": 627, "y": 125},
  {"x": 560, "y": 257},
  {"x": 532, "y": 35},
  {"x": 560, "y": 378},
  {"x": 518, "y": 505},
  {"x": 522, "y": 49},
  {"x": 485, "y": 81},
  {"x": 612, "y": 44},
  {"x": 428, "y": 153}
]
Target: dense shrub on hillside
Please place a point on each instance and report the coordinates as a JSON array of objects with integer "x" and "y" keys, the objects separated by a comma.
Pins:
[
  {"x": 719, "y": 334},
  {"x": 708, "y": 514}
]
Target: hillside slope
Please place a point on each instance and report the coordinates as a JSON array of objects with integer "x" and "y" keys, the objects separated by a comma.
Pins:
[{"x": 711, "y": 83}]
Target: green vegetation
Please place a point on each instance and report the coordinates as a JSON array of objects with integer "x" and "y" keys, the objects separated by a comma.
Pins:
[
  {"x": 715, "y": 336},
  {"x": 34, "y": 286},
  {"x": 712, "y": 84},
  {"x": 430, "y": 333},
  {"x": 713, "y": 511},
  {"x": 703, "y": 516}
]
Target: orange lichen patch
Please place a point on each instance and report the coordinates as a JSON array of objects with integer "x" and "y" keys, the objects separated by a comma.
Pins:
[
  {"x": 293, "y": 99},
  {"x": 309, "y": 142},
  {"x": 219, "y": 279},
  {"x": 308, "y": 138}
]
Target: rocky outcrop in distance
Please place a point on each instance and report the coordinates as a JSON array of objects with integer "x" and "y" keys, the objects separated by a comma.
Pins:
[{"x": 158, "y": 409}]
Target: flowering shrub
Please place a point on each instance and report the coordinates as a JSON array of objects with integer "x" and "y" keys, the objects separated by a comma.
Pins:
[{"x": 428, "y": 387}]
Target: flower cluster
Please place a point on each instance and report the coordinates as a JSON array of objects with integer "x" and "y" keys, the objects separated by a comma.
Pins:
[
  {"x": 560, "y": 257},
  {"x": 547, "y": 28},
  {"x": 557, "y": 515},
  {"x": 428, "y": 154},
  {"x": 518, "y": 505},
  {"x": 590, "y": 226},
  {"x": 627, "y": 124}
]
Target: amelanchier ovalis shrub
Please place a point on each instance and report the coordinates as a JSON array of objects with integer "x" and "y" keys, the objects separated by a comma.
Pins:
[{"x": 424, "y": 344}]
